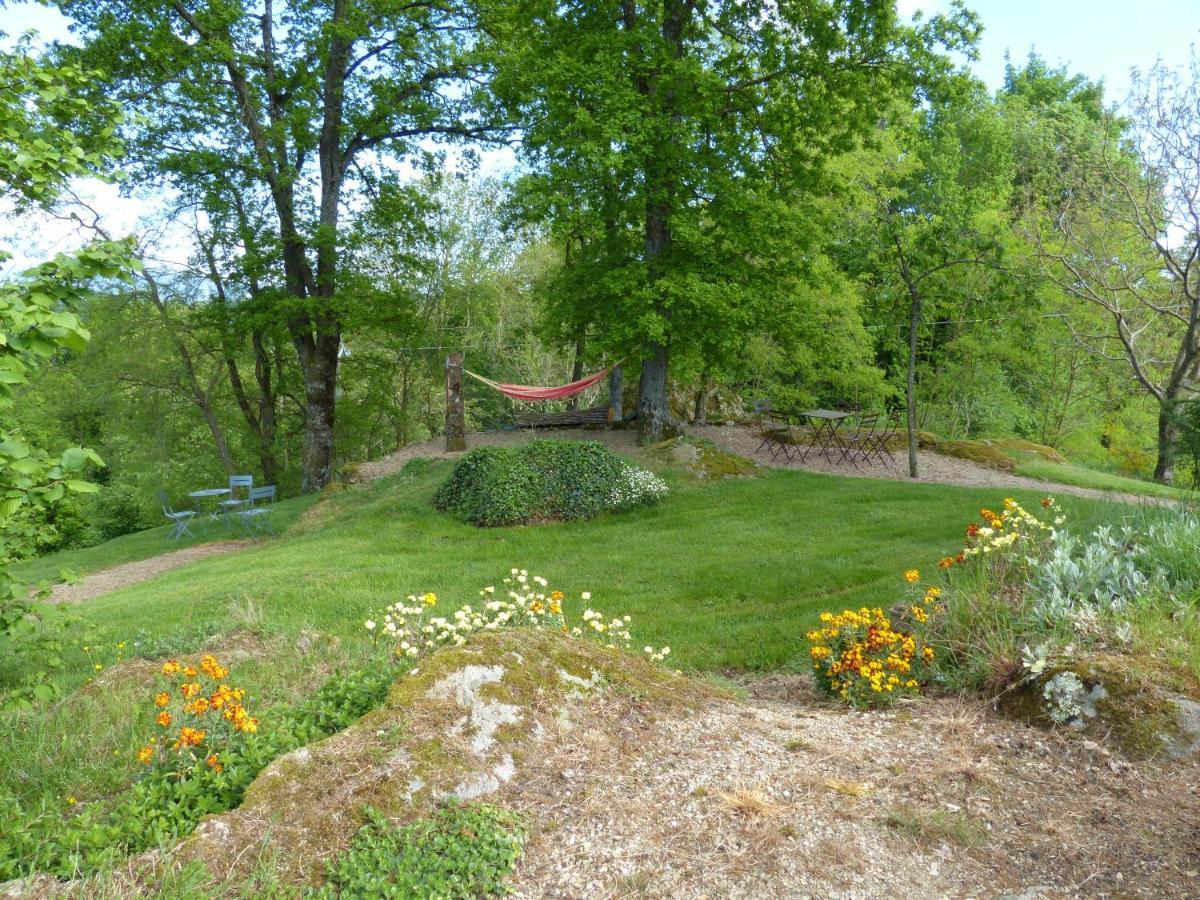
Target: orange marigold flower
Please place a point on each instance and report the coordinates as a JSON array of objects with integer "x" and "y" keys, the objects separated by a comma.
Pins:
[
  {"x": 556, "y": 596},
  {"x": 190, "y": 689},
  {"x": 214, "y": 762},
  {"x": 1046, "y": 501},
  {"x": 170, "y": 667},
  {"x": 912, "y": 576},
  {"x": 927, "y": 653},
  {"x": 190, "y": 671},
  {"x": 946, "y": 562},
  {"x": 164, "y": 719},
  {"x": 199, "y": 706},
  {"x": 972, "y": 529},
  {"x": 162, "y": 698},
  {"x": 145, "y": 755}
]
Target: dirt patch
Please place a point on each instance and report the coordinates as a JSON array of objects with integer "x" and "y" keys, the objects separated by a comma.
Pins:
[
  {"x": 117, "y": 577},
  {"x": 777, "y": 799}
]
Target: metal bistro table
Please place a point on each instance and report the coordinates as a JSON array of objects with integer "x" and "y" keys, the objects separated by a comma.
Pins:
[
  {"x": 202, "y": 495},
  {"x": 826, "y": 423}
]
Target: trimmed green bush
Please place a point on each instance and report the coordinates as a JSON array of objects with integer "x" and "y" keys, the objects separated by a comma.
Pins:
[{"x": 543, "y": 481}]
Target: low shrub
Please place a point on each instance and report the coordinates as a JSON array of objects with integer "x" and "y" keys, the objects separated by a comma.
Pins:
[
  {"x": 458, "y": 853},
  {"x": 544, "y": 481}
]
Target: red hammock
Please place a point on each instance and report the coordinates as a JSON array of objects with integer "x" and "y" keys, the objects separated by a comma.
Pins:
[{"x": 533, "y": 394}]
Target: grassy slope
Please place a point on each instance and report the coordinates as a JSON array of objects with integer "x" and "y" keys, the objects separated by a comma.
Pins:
[
  {"x": 728, "y": 574},
  {"x": 1034, "y": 467},
  {"x": 145, "y": 544}
]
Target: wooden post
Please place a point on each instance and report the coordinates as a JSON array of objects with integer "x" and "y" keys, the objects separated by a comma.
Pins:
[
  {"x": 456, "y": 425},
  {"x": 615, "y": 410}
]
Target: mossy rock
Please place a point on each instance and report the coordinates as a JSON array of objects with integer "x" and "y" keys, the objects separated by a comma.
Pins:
[
  {"x": 926, "y": 440},
  {"x": 1020, "y": 445},
  {"x": 465, "y": 724},
  {"x": 704, "y": 459},
  {"x": 977, "y": 452},
  {"x": 1142, "y": 712}
]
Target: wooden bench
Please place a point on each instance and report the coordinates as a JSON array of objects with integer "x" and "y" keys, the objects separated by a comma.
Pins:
[{"x": 596, "y": 415}]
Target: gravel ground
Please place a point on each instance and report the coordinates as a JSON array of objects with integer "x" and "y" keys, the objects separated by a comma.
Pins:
[{"x": 774, "y": 799}]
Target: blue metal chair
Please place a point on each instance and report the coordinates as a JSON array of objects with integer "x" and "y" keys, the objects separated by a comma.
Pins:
[
  {"x": 234, "y": 502},
  {"x": 256, "y": 518},
  {"x": 180, "y": 519}
]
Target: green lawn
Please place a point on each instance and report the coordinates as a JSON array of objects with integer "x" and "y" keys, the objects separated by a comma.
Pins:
[
  {"x": 148, "y": 543},
  {"x": 1034, "y": 467},
  {"x": 728, "y": 574}
]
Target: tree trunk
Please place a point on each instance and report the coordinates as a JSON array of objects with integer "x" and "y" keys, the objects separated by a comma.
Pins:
[
  {"x": 456, "y": 426},
  {"x": 910, "y": 383},
  {"x": 318, "y": 361},
  {"x": 654, "y": 413},
  {"x": 1168, "y": 437},
  {"x": 577, "y": 368},
  {"x": 616, "y": 403},
  {"x": 700, "y": 412}
]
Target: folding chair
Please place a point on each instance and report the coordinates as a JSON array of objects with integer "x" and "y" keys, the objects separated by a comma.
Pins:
[
  {"x": 256, "y": 519},
  {"x": 860, "y": 442},
  {"x": 236, "y": 482},
  {"x": 775, "y": 431},
  {"x": 879, "y": 443},
  {"x": 180, "y": 519}
]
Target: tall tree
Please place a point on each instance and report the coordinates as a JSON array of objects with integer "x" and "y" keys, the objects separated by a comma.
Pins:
[
  {"x": 1122, "y": 235},
  {"x": 679, "y": 127},
  {"x": 299, "y": 102}
]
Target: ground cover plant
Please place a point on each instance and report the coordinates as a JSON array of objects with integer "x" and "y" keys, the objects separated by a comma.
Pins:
[{"x": 545, "y": 481}]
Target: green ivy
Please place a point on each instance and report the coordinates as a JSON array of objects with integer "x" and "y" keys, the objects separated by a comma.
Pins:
[
  {"x": 539, "y": 481},
  {"x": 458, "y": 852}
]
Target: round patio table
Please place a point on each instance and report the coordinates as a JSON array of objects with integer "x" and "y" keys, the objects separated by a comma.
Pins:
[{"x": 204, "y": 494}]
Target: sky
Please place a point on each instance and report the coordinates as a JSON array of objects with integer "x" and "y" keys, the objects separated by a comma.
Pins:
[{"x": 1102, "y": 39}]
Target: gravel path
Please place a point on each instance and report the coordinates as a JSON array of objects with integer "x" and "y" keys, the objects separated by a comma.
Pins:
[{"x": 106, "y": 580}]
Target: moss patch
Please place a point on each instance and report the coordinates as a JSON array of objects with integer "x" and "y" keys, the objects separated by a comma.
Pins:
[
  {"x": 703, "y": 459},
  {"x": 979, "y": 452},
  {"x": 1020, "y": 445}
]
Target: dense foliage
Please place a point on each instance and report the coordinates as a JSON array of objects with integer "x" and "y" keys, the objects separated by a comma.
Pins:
[{"x": 544, "y": 481}]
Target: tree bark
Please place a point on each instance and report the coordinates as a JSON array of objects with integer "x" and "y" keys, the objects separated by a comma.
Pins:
[
  {"x": 616, "y": 402},
  {"x": 916, "y": 311},
  {"x": 456, "y": 426},
  {"x": 577, "y": 368},
  {"x": 1168, "y": 438},
  {"x": 700, "y": 412},
  {"x": 654, "y": 415}
]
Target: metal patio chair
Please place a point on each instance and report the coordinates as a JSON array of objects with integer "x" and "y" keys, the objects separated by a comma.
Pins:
[
  {"x": 774, "y": 430},
  {"x": 879, "y": 444},
  {"x": 858, "y": 445},
  {"x": 180, "y": 519},
  {"x": 256, "y": 518},
  {"x": 243, "y": 483}
]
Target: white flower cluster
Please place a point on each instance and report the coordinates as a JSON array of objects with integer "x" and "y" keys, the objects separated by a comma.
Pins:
[
  {"x": 637, "y": 486},
  {"x": 413, "y": 630}
]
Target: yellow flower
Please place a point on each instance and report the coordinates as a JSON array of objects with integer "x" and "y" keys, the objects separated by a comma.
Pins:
[
  {"x": 912, "y": 576},
  {"x": 430, "y": 599},
  {"x": 162, "y": 698},
  {"x": 145, "y": 755},
  {"x": 164, "y": 719},
  {"x": 214, "y": 762},
  {"x": 170, "y": 667}
]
